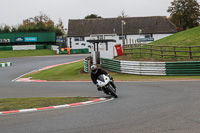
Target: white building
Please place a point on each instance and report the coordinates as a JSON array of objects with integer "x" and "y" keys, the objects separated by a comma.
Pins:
[{"x": 131, "y": 28}]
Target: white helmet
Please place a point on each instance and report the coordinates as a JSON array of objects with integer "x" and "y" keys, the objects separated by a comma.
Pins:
[{"x": 94, "y": 69}]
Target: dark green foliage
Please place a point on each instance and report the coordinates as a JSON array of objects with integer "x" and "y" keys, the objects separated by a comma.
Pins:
[
  {"x": 185, "y": 13},
  {"x": 41, "y": 23},
  {"x": 92, "y": 16}
]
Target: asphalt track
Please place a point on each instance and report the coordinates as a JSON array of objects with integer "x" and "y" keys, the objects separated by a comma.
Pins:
[{"x": 142, "y": 107}]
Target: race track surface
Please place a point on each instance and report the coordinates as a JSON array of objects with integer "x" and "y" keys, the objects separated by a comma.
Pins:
[{"x": 142, "y": 107}]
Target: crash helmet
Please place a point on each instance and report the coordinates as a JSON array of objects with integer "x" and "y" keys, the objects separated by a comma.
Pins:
[{"x": 94, "y": 69}]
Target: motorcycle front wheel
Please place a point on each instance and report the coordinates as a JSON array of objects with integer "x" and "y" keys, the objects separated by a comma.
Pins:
[{"x": 111, "y": 90}]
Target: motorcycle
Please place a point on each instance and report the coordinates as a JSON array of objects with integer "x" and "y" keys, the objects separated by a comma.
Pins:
[{"x": 106, "y": 85}]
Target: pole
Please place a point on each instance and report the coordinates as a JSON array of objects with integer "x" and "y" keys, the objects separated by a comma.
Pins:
[
  {"x": 122, "y": 33},
  {"x": 123, "y": 23}
]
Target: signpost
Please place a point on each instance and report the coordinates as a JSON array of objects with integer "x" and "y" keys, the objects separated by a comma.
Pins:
[
  {"x": 19, "y": 39},
  {"x": 30, "y": 39},
  {"x": 4, "y": 40},
  {"x": 145, "y": 39}
]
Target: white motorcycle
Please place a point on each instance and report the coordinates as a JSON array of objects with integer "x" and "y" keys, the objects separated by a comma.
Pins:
[{"x": 105, "y": 83}]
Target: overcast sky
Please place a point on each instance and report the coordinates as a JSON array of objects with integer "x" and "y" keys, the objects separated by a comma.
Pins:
[{"x": 13, "y": 12}]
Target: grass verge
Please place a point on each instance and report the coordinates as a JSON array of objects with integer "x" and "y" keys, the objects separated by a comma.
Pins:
[
  {"x": 185, "y": 38},
  {"x": 61, "y": 73},
  {"x": 74, "y": 72},
  {"x": 23, "y": 53},
  {"x": 27, "y": 103}
]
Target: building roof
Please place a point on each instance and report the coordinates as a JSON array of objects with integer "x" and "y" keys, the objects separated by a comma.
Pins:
[{"x": 87, "y": 27}]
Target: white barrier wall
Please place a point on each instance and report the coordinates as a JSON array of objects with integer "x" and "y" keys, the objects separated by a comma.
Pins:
[
  {"x": 134, "y": 67},
  {"x": 24, "y": 47},
  {"x": 31, "y": 47},
  {"x": 143, "y": 68},
  {"x": 110, "y": 53}
]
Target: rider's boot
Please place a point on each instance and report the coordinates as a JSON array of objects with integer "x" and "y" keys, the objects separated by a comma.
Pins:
[{"x": 99, "y": 89}]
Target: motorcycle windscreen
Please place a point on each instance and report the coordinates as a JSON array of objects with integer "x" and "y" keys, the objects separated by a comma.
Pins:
[{"x": 101, "y": 78}]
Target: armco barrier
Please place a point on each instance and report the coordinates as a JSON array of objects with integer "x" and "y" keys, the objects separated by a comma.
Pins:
[
  {"x": 6, "y": 64},
  {"x": 152, "y": 68},
  {"x": 2, "y": 48},
  {"x": 40, "y": 47},
  {"x": 134, "y": 67},
  {"x": 24, "y": 47},
  {"x": 85, "y": 66},
  {"x": 183, "y": 68},
  {"x": 143, "y": 68},
  {"x": 79, "y": 51},
  {"x": 27, "y": 47},
  {"x": 110, "y": 64},
  {"x": 8, "y": 48}
]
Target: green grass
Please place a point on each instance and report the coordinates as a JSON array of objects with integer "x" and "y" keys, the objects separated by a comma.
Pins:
[
  {"x": 62, "y": 73},
  {"x": 73, "y": 72},
  {"x": 189, "y": 37},
  {"x": 27, "y": 103},
  {"x": 23, "y": 53}
]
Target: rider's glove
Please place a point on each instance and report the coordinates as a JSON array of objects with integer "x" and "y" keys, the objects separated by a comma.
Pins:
[{"x": 110, "y": 77}]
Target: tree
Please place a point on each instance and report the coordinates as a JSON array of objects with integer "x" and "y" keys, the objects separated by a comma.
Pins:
[
  {"x": 13, "y": 29},
  {"x": 123, "y": 15},
  {"x": 61, "y": 26},
  {"x": 5, "y": 28},
  {"x": 41, "y": 23},
  {"x": 185, "y": 13},
  {"x": 92, "y": 16}
]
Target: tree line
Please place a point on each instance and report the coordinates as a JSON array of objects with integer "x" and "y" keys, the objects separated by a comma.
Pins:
[
  {"x": 40, "y": 23},
  {"x": 185, "y": 14}
]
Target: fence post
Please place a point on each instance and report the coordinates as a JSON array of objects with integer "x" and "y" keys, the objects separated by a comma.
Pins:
[
  {"x": 161, "y": 50},
  {"x": 124, "y": 48},
  {"x": 190, "y": 52},
  {"x": 175, "y": 52},
  {"x": 131, "y": 49},
  {"x": 151, "y": 50}
]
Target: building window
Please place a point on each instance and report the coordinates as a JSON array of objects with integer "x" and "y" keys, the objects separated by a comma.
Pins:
[
  {"x": 83, "y": 44},
  {"x": 120, "y": 37},
  {"x": 82, "y": 38},
  {"x": 76, "y": 38},
  {"x": 100, "y": 37},
  {"x": 148, "y": 35},
  {"x": 79, "y": 38}
]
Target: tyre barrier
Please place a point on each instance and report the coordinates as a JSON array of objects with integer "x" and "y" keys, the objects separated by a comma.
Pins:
[
  {"x": 152, "y": 68},
  {"x": 28, "y": 47},
  {"x": 6, "y": 64}
]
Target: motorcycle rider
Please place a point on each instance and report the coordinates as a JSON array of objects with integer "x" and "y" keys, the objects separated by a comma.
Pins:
[{"x": 95, "y": 72}]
